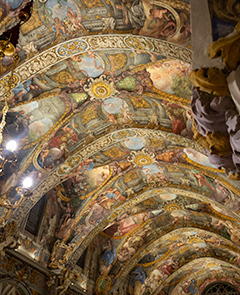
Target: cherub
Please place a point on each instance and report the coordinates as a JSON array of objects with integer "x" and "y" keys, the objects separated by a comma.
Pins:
[{"x": 75, "y": 19}]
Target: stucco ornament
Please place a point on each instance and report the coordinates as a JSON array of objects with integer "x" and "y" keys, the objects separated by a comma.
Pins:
[
  {"x": 141, "y": 158},
  {"x": 101, "y": 88},
  {"x": 103, "y": 284},
  {"x": 60, "y": 254},
  {"x": 7, "y": 238},
  {"x": 66, "y": 281}
]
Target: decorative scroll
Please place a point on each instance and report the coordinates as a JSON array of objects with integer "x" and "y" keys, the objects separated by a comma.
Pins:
[{"x": 80, "y": 45}]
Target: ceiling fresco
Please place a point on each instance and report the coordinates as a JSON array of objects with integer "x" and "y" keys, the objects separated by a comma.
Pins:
[{"x": 124, "y": 201}]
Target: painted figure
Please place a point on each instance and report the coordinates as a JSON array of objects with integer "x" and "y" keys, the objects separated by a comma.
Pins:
[
  {"x": 164, "y": 20},
  {"x": 59, "y": 27},
  {"x": 75, "y": 19}
]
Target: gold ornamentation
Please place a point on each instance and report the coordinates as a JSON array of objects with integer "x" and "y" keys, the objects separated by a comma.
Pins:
[
  {"x": 60, "y": 254},
  {"x": 158, "y": 94},
  {"x": 210, "y": 80},
  {"x": 172, "y": 50},
  {"x": 71, "y": 47},
  {"x": 130, "y": 176},
  {"x": 139, "y": 102},
  {"x": 5, "y": 215},
  {"x": 139, "y": 43},
  {"x": 88, "y": 115},
  {"x": 8, "y": 238},
  {"x": 202, "y": 166},
  {"x": 60, "y": 193},
  {"x": 104, "y": 42},
  {"x": 101, "y": 88},
  {"x": 103, "y": 284},
  {"x": 173, "y": 169},
  {"x": 157, "y": 142},
  {"x": 195, "y": 241},
  {"x": 228, "y": 48},
  {"x": 234, "y": 176},
  {"x": 33, "y": 23},
  {"x": 118, "y": 61},
  {"x": 63, "y": 77},
  {"x": 173, "y": 207},
  {"x": 53, "y": 55},
  {"x": 6, "y": 107},
  {"x": 7, "y": 49},
  {"x": 114, "y": 153},
  {"x": 38, "y": 63},
  {"x": 92, "y": 3},
  {"x": 23, "y": 193},
  {"x": 141, "y": 158}
]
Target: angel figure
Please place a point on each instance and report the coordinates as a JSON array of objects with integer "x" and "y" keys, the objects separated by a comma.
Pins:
[{"x": 75, "y": 19}]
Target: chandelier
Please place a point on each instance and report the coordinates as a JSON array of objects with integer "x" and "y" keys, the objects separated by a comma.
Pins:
[{"x": 9, "y": 56}]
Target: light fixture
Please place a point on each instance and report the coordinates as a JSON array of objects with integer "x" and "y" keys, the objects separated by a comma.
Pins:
[
  {"x": 9, "y": 57},
  {"x": 11, "y": 145},
  {"x": 23, "y": 191},
  {"x": 9, "y": 39},
  {"x": 7, "y": 155},
  {"x": 27, "y": 182}
]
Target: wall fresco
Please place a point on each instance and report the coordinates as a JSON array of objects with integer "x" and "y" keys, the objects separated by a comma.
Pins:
[
  {"x": 51, "y": 23},
  {"x": 101, "y": 114}
]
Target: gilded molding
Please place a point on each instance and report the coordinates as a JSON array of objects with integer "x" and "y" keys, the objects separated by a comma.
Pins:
[{"x": 53, "y": 55}]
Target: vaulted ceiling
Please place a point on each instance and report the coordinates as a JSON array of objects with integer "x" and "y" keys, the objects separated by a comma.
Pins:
[{"x": 123, "y": 200}]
